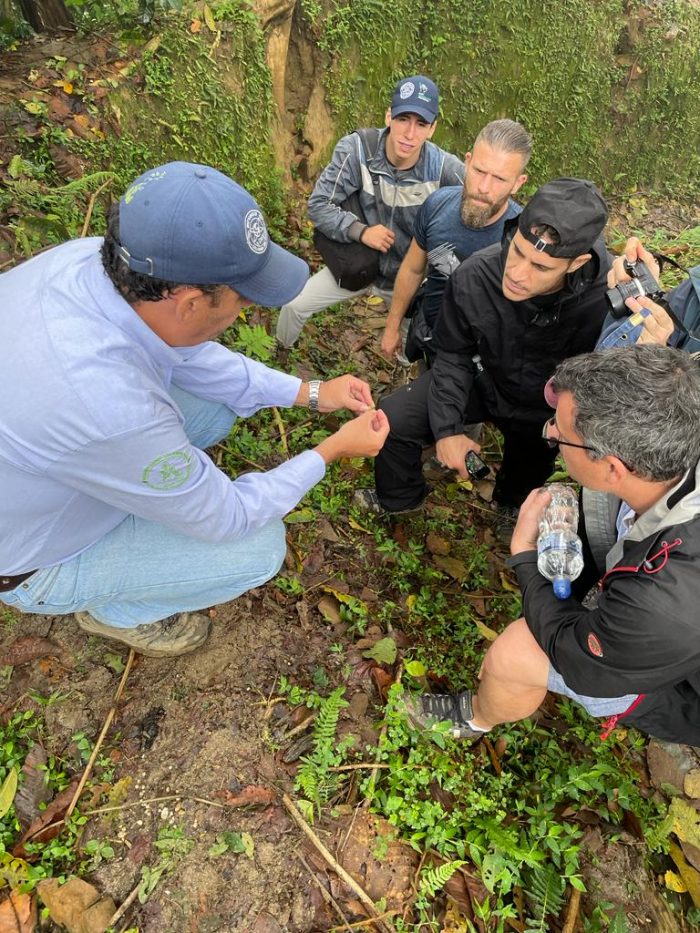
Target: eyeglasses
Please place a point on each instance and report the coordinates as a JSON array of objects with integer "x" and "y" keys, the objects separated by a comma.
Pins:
[{"x": 553, "y": 442}]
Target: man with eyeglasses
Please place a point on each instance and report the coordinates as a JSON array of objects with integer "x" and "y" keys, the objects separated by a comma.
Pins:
[{"x": 628, "y": 424}]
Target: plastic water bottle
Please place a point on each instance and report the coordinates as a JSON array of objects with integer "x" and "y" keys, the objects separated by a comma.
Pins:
[{"x": 559, "y": 550}]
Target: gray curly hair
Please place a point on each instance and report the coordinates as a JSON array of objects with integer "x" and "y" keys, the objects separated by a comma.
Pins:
[{"x": 640, "y": 404}]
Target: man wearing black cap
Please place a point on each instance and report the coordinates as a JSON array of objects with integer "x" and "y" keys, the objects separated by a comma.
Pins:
[
  {"x": 111, "y": 509},
  {"x": 392, "y": 184},
  {"x": 510, "y": 314}
]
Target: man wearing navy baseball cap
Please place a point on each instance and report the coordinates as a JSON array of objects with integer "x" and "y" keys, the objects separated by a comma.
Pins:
[
  {"x": 510, "y": 314},
  {"x": 370, "y": 193},
  {"x": 111, "y": 508}
]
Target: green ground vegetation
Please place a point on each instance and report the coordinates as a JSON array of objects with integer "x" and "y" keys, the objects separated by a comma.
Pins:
[{"x": 607, "y": 90}]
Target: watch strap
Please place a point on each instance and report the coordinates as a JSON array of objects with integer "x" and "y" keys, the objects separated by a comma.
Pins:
[{"x": 314, "y": 388}]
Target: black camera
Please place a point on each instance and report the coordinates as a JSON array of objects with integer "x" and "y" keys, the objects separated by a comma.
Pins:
[
  {"x": 476, "y": 466},
  {"x": 642, "y": 283}
]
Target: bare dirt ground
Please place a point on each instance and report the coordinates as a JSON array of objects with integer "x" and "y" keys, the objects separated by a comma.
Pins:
[
  {"x": 204, "y": 745},
  {"x": 201, "y": 745}
]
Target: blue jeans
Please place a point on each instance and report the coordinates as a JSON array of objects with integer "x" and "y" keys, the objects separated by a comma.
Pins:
[{"x": 142, "y": 572}]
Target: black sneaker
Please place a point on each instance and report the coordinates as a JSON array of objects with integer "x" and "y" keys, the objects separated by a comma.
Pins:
[
  {"x": 368, "y": 501},
  {"x": 505, "y": 517},
  {"x": 429, "y": 709}
]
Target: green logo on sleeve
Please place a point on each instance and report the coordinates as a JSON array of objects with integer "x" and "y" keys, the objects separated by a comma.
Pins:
[{"x": 170, "y": 471}]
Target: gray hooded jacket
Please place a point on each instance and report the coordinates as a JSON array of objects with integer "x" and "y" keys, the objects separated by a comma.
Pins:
[{"x": 388, "y": 195}]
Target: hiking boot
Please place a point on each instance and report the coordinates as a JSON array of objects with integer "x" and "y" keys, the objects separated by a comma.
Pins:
[
  {"x": 429, "y": 709},
  {"x": 505, "y": 517},
  {"x": 367, "y": 500},
  {"x": 177, "y": 634}
]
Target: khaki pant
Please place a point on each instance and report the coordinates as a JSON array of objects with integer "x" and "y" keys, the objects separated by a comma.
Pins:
[{"x": 319, "y": 293}]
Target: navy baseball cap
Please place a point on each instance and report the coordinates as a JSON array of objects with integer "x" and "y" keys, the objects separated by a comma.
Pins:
[
  {"x": 576, "y": 210},
  {"x": 190, "y": 223},
  {"x": 416, "y": 94}
]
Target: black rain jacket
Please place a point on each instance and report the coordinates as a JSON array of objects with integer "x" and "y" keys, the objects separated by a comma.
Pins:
[
  {"x": 519, "y": 343},
  {"x": 644, "y": 636}
]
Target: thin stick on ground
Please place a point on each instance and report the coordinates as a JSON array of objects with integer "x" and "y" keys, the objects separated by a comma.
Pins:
[
  {"x": 572, "y": 912},
  {"x": 302, "y": 727},
  {"x": 120, "y": 911},
  {"x": 281, "y": 428},
  {"x": 327, "y": 896},
  {"x": 105, "y": 728},
  {"x": 91, "y": 206},
  {"x": 338, "y": 869}
]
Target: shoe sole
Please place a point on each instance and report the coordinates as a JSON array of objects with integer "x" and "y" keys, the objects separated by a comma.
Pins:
[{"x": 146, "y": 652}]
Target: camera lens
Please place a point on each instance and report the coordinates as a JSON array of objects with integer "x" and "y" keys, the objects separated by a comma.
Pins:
[{"x": 616, "y": 296}]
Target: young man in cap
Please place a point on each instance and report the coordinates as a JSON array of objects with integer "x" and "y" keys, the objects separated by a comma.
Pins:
[
  {"x": 510, "y": 313},
  {"x": 628, "y": 424},
  {"x": 392, "y": 185},
  {"x": 111, "y": 509},
  {"x": 457, "y": 221}
]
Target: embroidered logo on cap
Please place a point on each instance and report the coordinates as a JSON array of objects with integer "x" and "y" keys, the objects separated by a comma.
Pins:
[
  {"x": 256, "y": 235},
  {"x": 406, "y": 90},
  {"x": 140, "y": 185},
  {"x": 594, "y": 645},
  {"x": 423, "y": 93}
]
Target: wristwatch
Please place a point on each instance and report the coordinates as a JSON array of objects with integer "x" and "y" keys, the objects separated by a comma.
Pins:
[{"x": 314, "y": 388}]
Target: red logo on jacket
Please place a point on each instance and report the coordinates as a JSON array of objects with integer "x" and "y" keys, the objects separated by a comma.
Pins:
[{"x": 594, "y": 645}]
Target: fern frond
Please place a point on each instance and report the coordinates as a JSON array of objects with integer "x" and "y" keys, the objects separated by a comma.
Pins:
[
  {"x": 435, "y": 879},
  {"x": 313, "y": 777},
  {"x": 545, "y": 897}
]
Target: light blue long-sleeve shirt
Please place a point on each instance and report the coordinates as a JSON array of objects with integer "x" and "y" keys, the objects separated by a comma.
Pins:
[{"x": 89, "y": 433}]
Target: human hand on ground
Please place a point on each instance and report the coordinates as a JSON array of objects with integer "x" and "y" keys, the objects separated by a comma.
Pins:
[
  {"x": 527, "y": 528},
  {"x": 345, "y": 392},
  {"x": 391, "y": 342},
  {"x": 364, "y": 436},
  {"x": 378, "y": 237},
  {"x": 452, "y": 452}
]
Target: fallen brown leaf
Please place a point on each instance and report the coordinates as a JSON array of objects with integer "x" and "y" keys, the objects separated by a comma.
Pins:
[
  {"x": 32, "y": 790},
  {"x": 18, "y": 913},
  {"x": 28, "y": 648},
  {"x": 42, "y": 829},
  {"x": 452, "y": 567},
  {"x": 254, "y": 795},
  {"x": 437, "y": 545},
  {"x": 383, "y": 680},
  {"x": 77, "y": 905},
  {"x": 329, "y": 609}
]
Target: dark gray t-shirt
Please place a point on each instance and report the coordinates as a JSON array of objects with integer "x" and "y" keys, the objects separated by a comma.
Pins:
[{"x": 440, "y": 232}]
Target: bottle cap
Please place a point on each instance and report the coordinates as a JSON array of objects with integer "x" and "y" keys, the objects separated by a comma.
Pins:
[{"x": 561, "y": 587}]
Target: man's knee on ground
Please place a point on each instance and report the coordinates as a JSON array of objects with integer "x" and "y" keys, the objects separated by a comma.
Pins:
[{"x": 515, "y": 657}]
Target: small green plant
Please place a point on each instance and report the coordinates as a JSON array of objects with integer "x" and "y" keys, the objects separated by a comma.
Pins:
[
  {"x": 172, "y": 845},
  {"x": 253, "y": 341},
  {"x": 314, "y": 779}
]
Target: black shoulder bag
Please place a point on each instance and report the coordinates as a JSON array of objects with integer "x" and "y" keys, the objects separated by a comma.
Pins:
[{"x": 354, "y": 265}]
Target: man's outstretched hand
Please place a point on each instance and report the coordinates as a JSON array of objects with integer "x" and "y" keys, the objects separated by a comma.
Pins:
[
  {"x": 364, "y": 436},
  {"x": 345, "y": 392}
]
